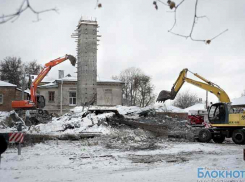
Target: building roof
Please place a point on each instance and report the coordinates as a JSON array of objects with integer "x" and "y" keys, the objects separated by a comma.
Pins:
[
  {"x": 74, "y": 79},
  {"x": 108, "y": 80},
  {"x": 54, "y": 84},
  {"x": 49, "y": 85},
  {"x": 69, "y": 79},
  {"x": 6, "y": 84}
]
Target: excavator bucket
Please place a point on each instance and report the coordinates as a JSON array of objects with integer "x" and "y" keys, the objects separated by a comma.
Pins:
[
  {"x": 164, "y": 95},
  {"x": 72, "y": 59}
]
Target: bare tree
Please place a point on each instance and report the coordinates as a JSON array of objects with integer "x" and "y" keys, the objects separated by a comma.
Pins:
[
  {"x": 31, "y": 68},
  {"x": 145, "y": 95},
  {"x": 185, "y": 100},
  {"x": 137, "y": 89},
  {"x": 173, "y": 8},
  {"x": 11, "y": 70},
  {"x": 172, "y": 5}
]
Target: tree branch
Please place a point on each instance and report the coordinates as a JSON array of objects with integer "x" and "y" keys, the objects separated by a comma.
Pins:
[
  {"x": 195, "y": 18},
  {"x": 23, "y": 7}
]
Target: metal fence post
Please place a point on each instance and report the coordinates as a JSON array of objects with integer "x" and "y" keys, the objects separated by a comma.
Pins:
[{"x": 19, "y": 128}]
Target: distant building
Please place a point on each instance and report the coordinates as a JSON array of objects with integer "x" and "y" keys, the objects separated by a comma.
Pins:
[
  {"x": 8, "y": 93},
  {"x": 63, "y": 93}
]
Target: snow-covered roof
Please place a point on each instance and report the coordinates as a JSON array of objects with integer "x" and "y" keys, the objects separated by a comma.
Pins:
[
  {"x": 49, "y": 85},
  {"x": 67, "y": 78},
  {"x": 108, "y": 80},
  {"x": 238, "y": 101},
  {"x": 162, "y": 107},
  {"x": 6, "y": 84},
  {"x": 74, "y": 79}
]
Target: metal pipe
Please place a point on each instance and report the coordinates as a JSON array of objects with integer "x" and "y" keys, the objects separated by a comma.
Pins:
[{"x": 61, "y": 96}]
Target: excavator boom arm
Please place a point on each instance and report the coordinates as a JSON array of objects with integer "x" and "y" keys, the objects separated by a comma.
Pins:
[
  {"x": 45, "y": 71},
  {"x": 32, "y": 103},
  {"x": 208, "y": 86},
  {"x": 221, "y": 94}
]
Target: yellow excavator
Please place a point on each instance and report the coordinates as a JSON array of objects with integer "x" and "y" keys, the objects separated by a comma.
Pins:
[{"x": 224, "y": 121}]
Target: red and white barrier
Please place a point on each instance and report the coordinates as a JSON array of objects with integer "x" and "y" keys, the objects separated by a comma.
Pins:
[{"x": 16, "y": 137}]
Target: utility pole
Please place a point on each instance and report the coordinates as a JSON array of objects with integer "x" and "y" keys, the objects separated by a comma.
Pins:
[
  {"x": 206, "y": 99},
  {"x": 23, "y": 84}
]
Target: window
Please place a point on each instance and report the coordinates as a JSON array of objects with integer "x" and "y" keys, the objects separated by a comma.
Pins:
[
  {"x": 1, "y": 98},
  {"x": 108, "y": 90},
  {"x": 72, "y": 98},
  {"x": 51, "y": 96},
  {"x": 217, "y": 114}
]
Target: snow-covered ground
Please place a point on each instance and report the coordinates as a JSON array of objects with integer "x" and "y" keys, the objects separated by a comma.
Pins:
[
  {"x": 120, "y": 154},
  {"x": 85, "y": 160}
]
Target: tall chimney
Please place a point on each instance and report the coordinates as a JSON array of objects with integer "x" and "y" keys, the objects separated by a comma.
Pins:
[
  {"x": 61, "y": 74},
  {"x": 86, "y": 35}
]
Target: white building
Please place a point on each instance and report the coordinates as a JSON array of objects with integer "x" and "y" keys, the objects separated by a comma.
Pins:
[{"x": 109, "y": 93}]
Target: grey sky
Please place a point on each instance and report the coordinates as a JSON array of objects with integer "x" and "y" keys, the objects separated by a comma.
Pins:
[{"x": 135, "y": 34}]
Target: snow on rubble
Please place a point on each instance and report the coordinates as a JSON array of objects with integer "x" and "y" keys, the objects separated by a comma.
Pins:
[
  {"x": 3, "y": 116},
  {"x": 161, "y": 107},
  {"x": 74, "y": 122}
]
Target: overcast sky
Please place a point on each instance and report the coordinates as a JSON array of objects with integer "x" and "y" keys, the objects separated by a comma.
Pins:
[{"x": 134, "y": 34}]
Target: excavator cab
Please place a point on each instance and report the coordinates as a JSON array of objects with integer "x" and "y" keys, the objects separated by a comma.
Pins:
[
  {"x": 40, "y": 101},
  {"x": 218, "y": 114}
]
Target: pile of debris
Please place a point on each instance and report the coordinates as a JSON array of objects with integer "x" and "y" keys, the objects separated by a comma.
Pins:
[{"x": 120, "y": 124}]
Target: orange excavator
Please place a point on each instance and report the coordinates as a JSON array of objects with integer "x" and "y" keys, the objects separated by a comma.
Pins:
[{"x": 38, "y": 101}]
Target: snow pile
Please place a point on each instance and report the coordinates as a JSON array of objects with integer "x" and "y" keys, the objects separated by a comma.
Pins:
[
  {"x": 74, "y": 122},
  {"x": 77, "y": 109},
  {"x": 161, "y": 107},
  {"x": 124, "y": 110},
  {"x": 3, "y": 116},
  {"x": 238, "y": 101},
  {"x": 199, "y": 106},
  {"x": 158, "y": 107}
]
